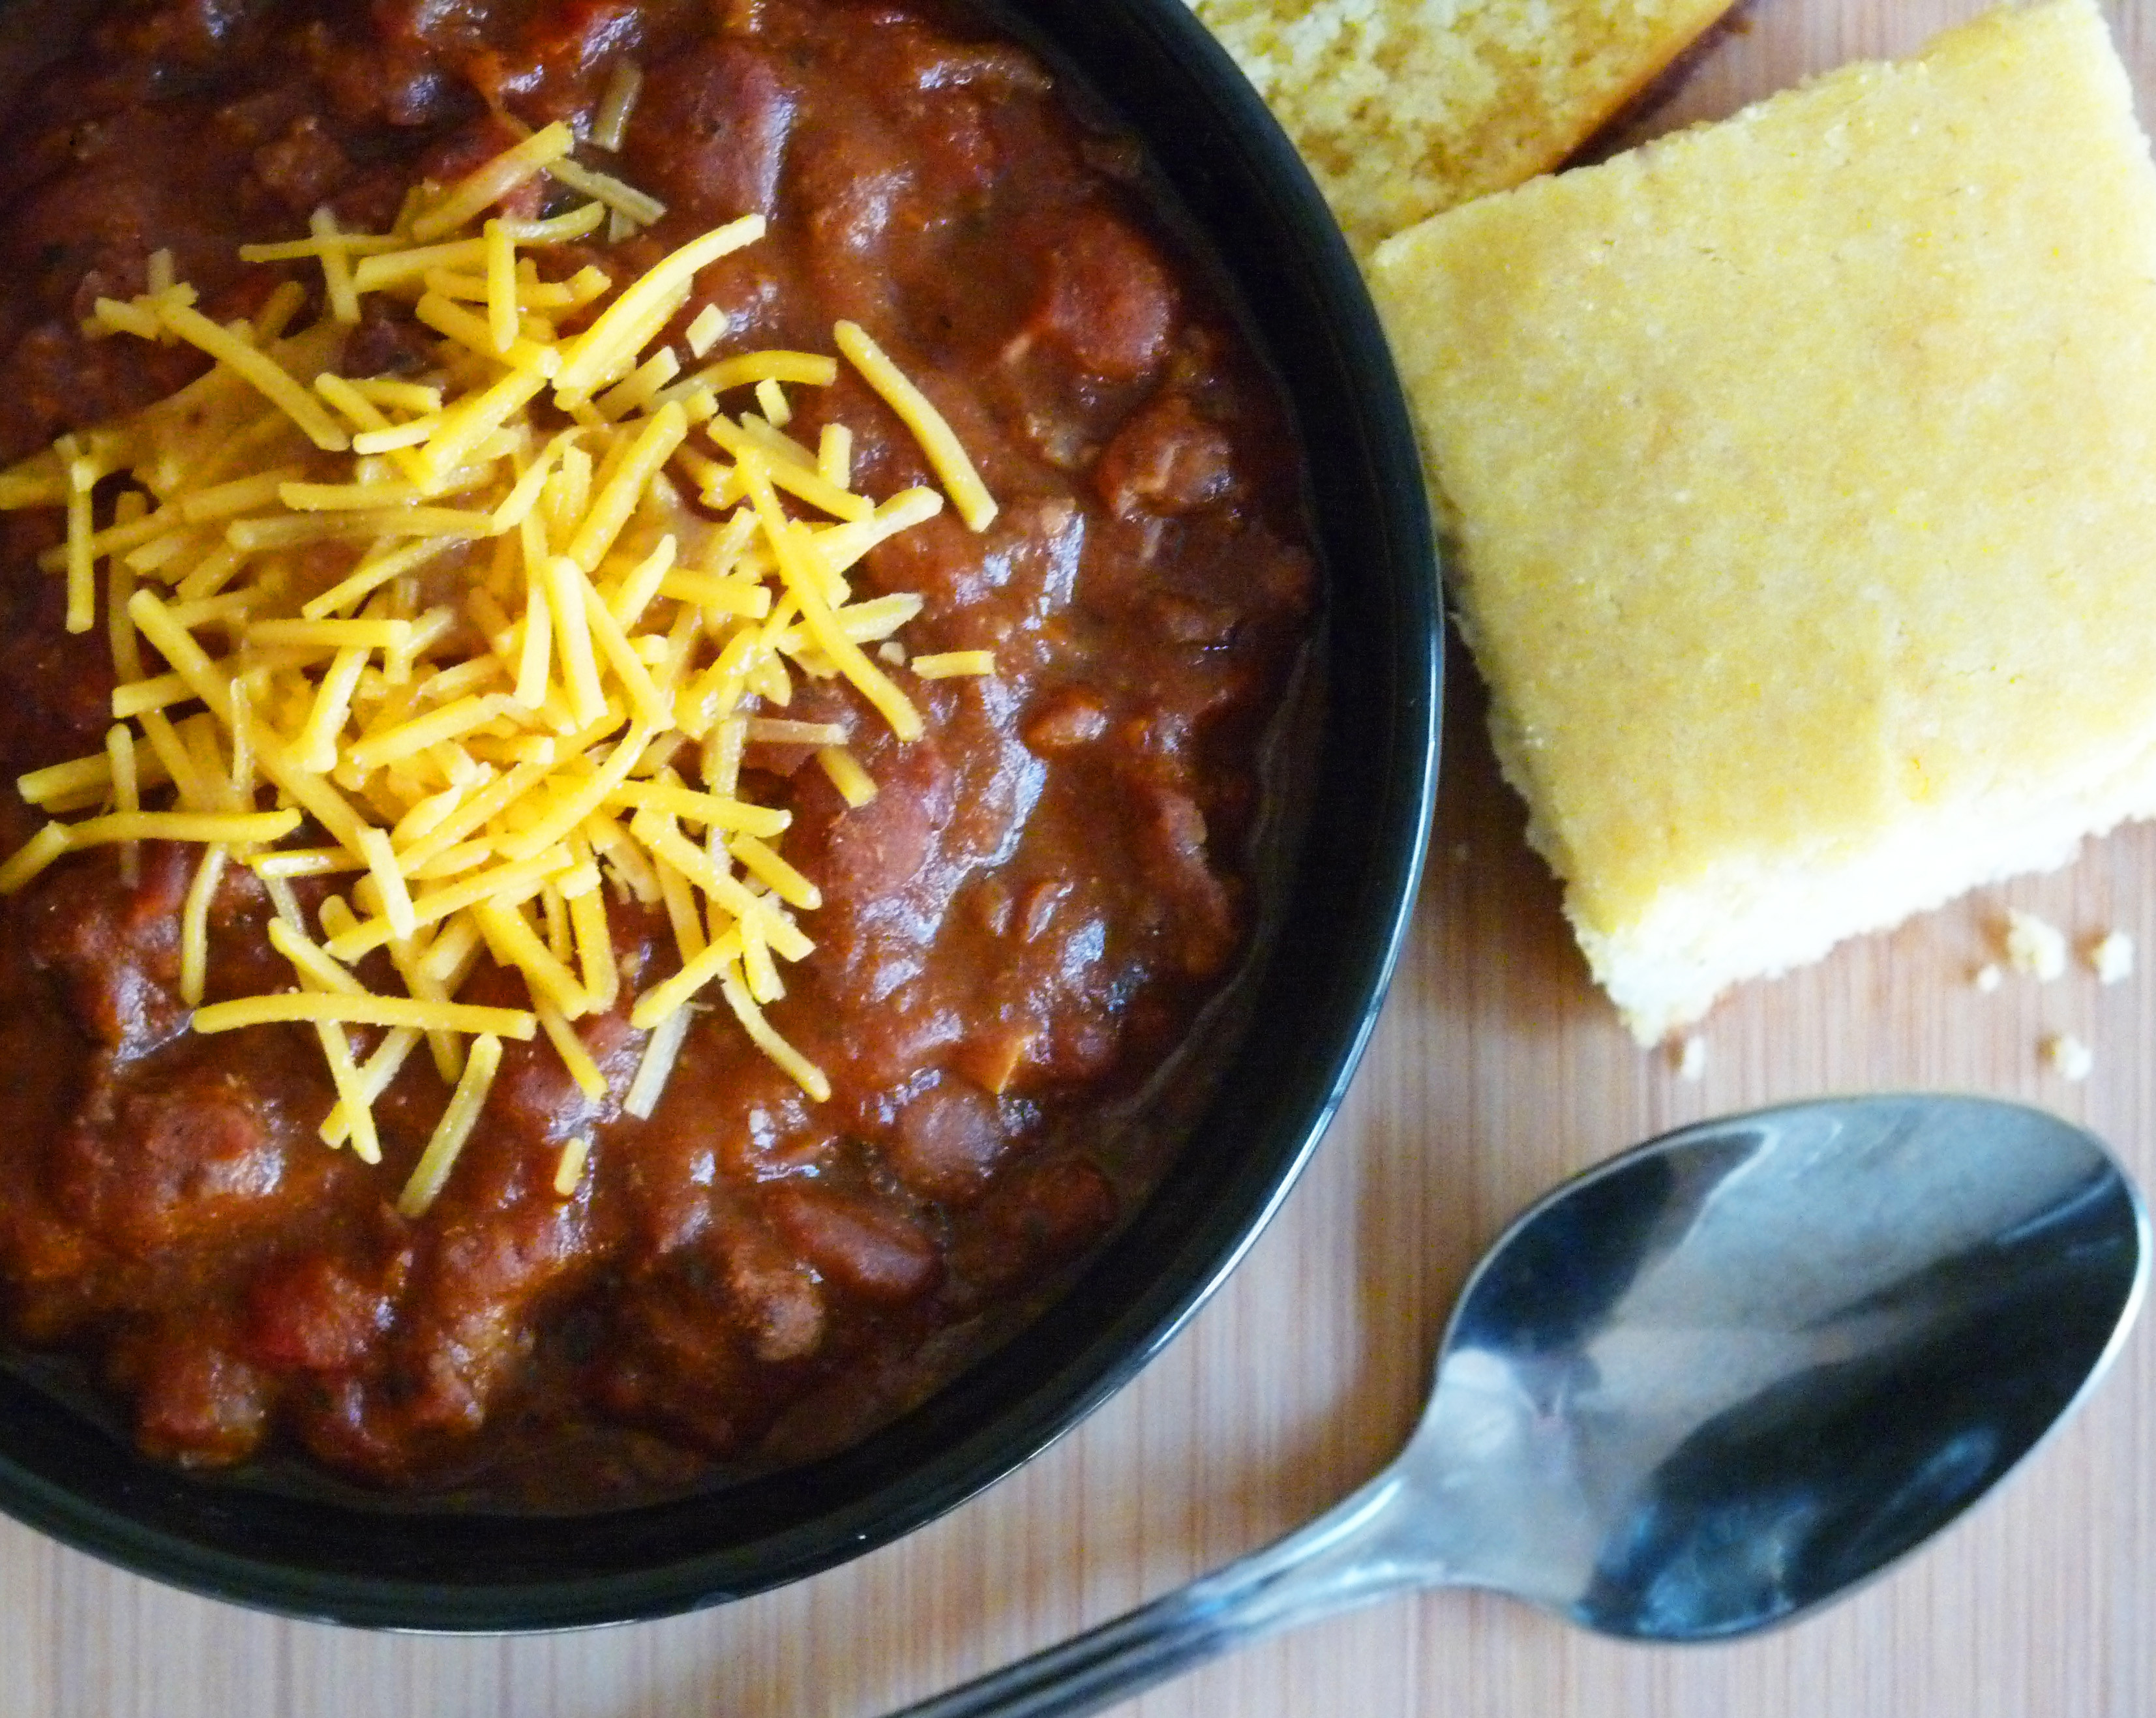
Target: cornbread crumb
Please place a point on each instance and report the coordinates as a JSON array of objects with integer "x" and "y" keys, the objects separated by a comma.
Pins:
[
  {"x": 2069, "y": 1058},
  {"x": 2111, "y": 957},
  {"x": 1406, "y": 107},
  {"x": 1790, "y": 465},
  {"x": 2034, "y": 945},
  {"x": 1988, "y": 977},
  {"x": 1691, "y": 1058}
]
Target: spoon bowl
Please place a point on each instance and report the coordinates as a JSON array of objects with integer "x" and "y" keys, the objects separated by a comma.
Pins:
[{"x": 1703, "y": 1388}]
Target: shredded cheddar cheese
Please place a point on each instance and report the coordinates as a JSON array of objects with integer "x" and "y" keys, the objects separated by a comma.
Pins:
[
  {"x": 454, "y": 1129},
  {"x": 486, "y": 642},
  {"x": 948, "y": 665},
  {"x": 610, "y": 125},
  {"x": 569, "y": 1167}
]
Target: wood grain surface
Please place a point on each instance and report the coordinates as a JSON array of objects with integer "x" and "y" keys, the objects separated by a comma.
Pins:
[{"x": 1496, "y": 1071}]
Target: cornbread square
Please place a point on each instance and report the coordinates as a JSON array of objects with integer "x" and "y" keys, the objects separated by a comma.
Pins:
[
  {"x": 1802, "y": 474},
  {"x": 1406, "y": 107}
]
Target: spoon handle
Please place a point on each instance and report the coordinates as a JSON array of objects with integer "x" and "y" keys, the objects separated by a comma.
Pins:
[{"x": 1346, "y": 1558}]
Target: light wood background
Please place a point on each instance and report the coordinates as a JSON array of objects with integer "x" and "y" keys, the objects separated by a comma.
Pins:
[{"x": 1496, "y": 1071}]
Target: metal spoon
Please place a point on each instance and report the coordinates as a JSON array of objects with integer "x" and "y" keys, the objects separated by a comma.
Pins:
[{"x": 1715, "y": 1383}]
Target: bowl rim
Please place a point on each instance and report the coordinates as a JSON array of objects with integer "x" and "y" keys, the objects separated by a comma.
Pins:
[{"x": 1212, "y": 140}]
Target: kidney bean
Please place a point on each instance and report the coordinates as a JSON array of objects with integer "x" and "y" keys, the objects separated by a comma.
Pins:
[{"x": 872, "y": 1250}]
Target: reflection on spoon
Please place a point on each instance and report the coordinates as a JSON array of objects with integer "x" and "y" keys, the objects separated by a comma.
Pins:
[{"x": 1705, "y": 1387}]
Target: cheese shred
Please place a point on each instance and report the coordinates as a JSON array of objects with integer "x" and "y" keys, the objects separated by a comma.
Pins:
[
  {"x": 455, "y": 1128},
  {"x": 569, "y": 1168},
  {"x": 938, "y": 442}
]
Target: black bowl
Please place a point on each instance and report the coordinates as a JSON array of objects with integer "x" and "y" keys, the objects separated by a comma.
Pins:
[{"x": 1315, "y": 995}]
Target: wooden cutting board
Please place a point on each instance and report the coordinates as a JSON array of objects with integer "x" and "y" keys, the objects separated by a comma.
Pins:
[{"x": 1496, "y": 1071}]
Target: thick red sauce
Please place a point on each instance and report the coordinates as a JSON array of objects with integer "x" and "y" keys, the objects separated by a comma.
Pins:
[{"x": 1016, "y": 930}]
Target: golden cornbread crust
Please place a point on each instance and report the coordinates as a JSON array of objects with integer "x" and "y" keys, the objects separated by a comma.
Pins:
[
  {"x": 1406, "y": 107},
  {"x": 1802, "y": 474}
]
